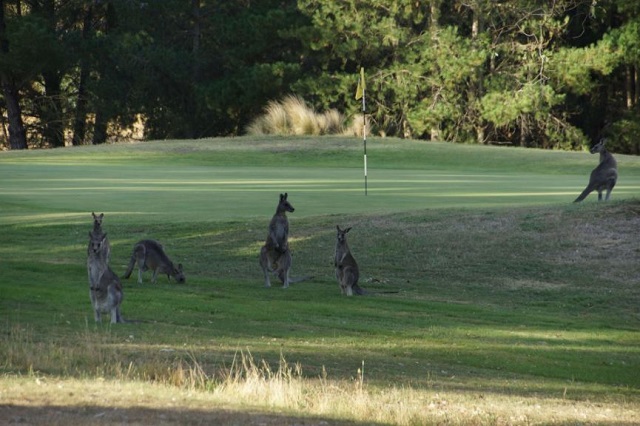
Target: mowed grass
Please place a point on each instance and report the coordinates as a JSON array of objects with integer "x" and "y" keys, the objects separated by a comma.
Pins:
[{"x": 498, "y": 301}]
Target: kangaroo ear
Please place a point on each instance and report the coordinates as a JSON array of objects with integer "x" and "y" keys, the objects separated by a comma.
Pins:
[
  {"x": 179, "y": 266},
  {"x": 286, "y": 195},
  {"x": 347, "y": 230}
]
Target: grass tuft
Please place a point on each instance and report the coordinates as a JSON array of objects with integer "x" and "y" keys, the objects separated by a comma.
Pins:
[{"x": 292, "y": 116}]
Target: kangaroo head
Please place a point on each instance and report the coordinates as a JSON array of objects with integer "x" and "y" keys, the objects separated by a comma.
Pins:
[
  {"x": 96, "y": 242},
  {"x": 97, "y": 220},
  {"x": 178, "y": 275},
  {"x": 342, "y": 234},
  {"x": 284, "y": 205},
  {"x": 599, "y": 147}
]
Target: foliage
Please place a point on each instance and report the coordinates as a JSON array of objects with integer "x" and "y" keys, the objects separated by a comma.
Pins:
[
  {"x": 448, "y": 70},
  {"x": 536, "y": 74}
]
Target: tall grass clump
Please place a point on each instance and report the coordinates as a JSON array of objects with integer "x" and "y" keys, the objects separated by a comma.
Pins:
[
  {"x": 292, "y": 116},
  {"x": 251, "y": 380}
]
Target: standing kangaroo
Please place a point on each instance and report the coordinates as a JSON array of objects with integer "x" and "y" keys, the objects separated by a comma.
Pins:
[
  {"x": 105, "y": 289},
  {"x": 149, "y": 254},
  {"x": 604, "y": 176},
  {"x": 97, "y": 232},
  {"x": 275, "y": 255},
  {"x": 347, "y": 271}
]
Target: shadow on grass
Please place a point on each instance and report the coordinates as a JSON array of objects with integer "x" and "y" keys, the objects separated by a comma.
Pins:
[{"x": 99, "y": 415}]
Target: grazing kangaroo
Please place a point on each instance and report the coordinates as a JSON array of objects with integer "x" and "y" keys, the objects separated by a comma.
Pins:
[
  {"x": 97, "y": 232},
  {"x": 105, "y": 289},
  {"x": 604, "y": 176},
  {"x": 347, "y": 271},
  {"x": 149, "y": 254},
  {"x": 275, "y": 255}
]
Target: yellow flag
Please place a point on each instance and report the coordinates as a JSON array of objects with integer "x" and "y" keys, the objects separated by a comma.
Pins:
[{"x": 361, "y": 85}]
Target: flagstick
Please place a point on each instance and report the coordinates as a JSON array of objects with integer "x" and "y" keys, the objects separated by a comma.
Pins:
[
  {"x": 364, "y": 137},
  {"x": 360, "y": 91}
]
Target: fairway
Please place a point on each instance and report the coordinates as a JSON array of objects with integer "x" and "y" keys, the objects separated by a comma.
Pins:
[
  {"x": 226, "y": 193},
  {"x": 184, "y": 185},
  {"x": 497, "y": 299}
]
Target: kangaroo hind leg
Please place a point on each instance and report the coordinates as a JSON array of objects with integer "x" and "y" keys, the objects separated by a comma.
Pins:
[
  {"x": 609, "y": 189},
  {"x": 284, "y": 266},
  {"x": 349, "y": 278},
  {"x": 140, "y": 254},
  {"x": 115, "y": 315},
  {"x": 265, "y": 263}
]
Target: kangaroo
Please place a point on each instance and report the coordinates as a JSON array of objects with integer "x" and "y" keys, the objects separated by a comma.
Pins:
[
  {"x": 604, "y": 176},
  {"x": 149, "y": 254},
  {"x": 275, "y": 255},
  {"x": 105, "y": 289},
  {"x": 347, "y": 271},
  {"x": 97, "y": 232}
]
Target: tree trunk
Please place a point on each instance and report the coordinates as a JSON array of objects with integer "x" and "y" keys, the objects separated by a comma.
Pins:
[
  {"x": 477, "y": 27},
  {"x": 51, "y": 112},
  {"x": 636, "y": 85},
  {"x": 101, "y": 110},
  {"x": 80, "y": 119},
  {"x": 100, "y": 128},
  {"x": 629, "y": 77},
  {"x": 191, "y": 102},
  {"x": 17, "y": 133},
  {"x": 434, "y": 9},
  {"x": 51, "y": 108},
  {"x": 197, "y": 35}
]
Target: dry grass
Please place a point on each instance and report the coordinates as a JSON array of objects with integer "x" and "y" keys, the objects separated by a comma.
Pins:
[
  {"x": 358, "y": 126},
  {"x": 251, "y": 392},
  {"x": 175, "y": 389},
  {"x": 292, "y": 116}
]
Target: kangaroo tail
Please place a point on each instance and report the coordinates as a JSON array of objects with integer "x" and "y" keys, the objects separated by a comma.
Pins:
[
  {"x": 359, "y": 290},
  {"x": 362, "y": 292},
  {"x": 584, "y": 194},
  {"x": 300, "y": 279},
  {"x": 132, "y": 321},
  {"x": 132, "y": 263}
]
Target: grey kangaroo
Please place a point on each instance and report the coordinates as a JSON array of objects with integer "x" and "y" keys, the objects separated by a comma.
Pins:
[
  {"x": 149, "y": 254},
  {"x": 275, "y": 255},
  {"x": 97, "y": 232},
  {"x": 105, "y": 289},
  {"x": 347, "y": 271},
  {"x": 604, "y": 176}
]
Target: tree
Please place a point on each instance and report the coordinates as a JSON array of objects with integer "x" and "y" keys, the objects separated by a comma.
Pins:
[
  {"x": 10, "y": 87},
  {"x": 473, "y": 70},
  {"x": 624, "y": 115},
  {"x": 534, "y": 69},
  {"x": 529, "y": 73}
]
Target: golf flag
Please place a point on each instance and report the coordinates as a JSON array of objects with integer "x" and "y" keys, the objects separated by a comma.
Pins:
[
  {"x": 361, "y": 85},
  {"x": 360, "y": 95}
]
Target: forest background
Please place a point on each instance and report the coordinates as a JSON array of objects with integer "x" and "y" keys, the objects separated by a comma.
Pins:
[{"x": 553, "y": 74}]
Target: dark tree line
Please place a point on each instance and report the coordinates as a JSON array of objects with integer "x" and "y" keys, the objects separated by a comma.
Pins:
[{"x": 551, "y": 74}]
